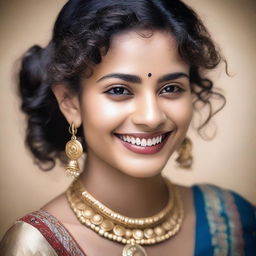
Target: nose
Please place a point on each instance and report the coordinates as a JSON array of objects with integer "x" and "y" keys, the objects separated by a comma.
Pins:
[{"x": 148, "y": 112}]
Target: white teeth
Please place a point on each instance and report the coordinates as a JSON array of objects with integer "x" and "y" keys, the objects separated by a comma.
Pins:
[
  {"x": 142, "y": 142},
  {"x": 137, "y": 141},
  {"x": 133, "y": 140}
]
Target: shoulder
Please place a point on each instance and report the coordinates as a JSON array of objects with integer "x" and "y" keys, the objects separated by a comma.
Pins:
[
  {"x": 39, "y": 233},
  {"x": 24, "y": 239},
  {"x": 228, "y": 216},
  {"x": 224, "y": 199},
  {"x": 60, "y": 209}
]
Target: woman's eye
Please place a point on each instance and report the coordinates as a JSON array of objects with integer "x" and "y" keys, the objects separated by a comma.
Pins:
[
  {"x": 171, "y": 89},
  {"x": 118, "y": 91}
]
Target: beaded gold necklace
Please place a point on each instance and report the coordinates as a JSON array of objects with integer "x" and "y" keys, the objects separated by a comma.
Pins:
[{"x": 133, "y": 232}]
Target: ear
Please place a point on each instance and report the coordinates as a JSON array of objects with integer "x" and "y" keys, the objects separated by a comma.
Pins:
[{"x": 68, "y": 103}]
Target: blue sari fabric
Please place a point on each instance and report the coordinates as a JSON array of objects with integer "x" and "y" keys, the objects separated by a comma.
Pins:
[{"x": 226, "y": 223}]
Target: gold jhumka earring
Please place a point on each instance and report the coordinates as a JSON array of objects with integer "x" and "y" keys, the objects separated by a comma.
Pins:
[
  {"x": 74, "y": 150},
  {"x": 185, "y": 158}
]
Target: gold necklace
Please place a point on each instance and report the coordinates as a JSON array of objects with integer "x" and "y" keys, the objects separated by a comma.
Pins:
[
  {"x": 133, "y": 232},
  {"x": 123, "y": 220}
]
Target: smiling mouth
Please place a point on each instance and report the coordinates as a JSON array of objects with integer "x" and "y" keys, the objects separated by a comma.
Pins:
[{"x": 141, "y": 140}]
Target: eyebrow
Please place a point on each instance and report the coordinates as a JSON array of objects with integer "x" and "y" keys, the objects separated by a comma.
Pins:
[
  {"x": 125, "y": 77},
  {"x": 172, "y": 76},
  {"x": 138, "y": 80}
]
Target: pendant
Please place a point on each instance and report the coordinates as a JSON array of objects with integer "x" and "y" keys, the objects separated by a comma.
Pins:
[{"x": 133, "y": 250}]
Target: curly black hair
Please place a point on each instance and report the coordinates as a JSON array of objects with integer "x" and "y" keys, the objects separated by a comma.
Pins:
[{"x": 81, "y": 36}]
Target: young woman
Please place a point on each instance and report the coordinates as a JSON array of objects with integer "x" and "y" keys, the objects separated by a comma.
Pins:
[{"x": 123, "y": 77}]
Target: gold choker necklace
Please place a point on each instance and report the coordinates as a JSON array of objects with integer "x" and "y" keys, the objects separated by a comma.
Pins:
[{"x": 133, "y": 232}]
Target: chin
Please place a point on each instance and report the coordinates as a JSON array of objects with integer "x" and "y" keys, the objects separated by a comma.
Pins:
[
  {"x": 142, "y": 169},
  {"x": 146, "y": 166}
]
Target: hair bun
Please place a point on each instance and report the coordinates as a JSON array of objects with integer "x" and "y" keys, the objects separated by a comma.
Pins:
[
  {"x": 31, "y": 76},
  {"x": 38, "y": 102}
]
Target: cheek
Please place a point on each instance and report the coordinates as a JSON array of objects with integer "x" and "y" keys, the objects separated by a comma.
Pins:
[
  {"x": 180, "y": 111},
  {"x": 100, "y": 114}
]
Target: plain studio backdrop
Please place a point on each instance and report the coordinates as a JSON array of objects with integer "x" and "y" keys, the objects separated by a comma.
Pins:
[{"x": 228, "y": 160}]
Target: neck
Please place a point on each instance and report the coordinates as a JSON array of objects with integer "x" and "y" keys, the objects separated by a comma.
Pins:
[{"x": 129, "y": 196}]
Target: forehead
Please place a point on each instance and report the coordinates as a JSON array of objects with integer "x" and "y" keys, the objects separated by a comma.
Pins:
[{"x": 140, "y": 52}]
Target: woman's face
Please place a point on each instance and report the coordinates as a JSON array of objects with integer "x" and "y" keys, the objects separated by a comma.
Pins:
[{"x": 136, "y": 107}]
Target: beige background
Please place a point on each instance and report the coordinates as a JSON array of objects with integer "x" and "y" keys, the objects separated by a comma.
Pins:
[{"x": 228, "y": 160}]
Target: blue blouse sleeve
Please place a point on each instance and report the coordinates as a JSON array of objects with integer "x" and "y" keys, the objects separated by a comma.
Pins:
[
  {"x": 225, "y": 222},
  {"x": 247, "y": 214}
]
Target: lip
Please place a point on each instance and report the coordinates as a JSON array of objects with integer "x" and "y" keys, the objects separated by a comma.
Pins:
[{"x": 144, "y": 149}]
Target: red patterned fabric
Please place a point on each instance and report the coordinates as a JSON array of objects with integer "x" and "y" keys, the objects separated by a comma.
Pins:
[{"x": 54, "y": 232}]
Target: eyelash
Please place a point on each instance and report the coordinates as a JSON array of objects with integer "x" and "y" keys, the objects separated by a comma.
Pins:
[
  {"x": 118, "y": 94},
  {"x": 178, "y": 89},
  {"x": 127, "y": 92}
]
